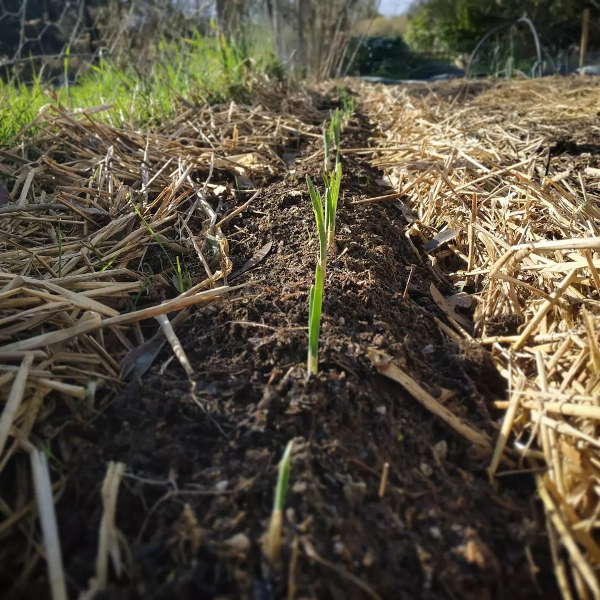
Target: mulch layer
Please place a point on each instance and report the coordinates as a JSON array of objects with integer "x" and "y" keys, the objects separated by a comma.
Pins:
[{"x": 201, "y": 461}]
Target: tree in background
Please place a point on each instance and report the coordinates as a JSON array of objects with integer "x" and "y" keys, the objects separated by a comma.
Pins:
[
  {"x": 381, "y": 26},
  {"x": 456, "y": 25}
]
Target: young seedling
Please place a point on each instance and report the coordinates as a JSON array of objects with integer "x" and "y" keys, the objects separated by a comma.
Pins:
[
  {"x": 331, "y": 139},
  {"x": 315, "y": 308},
  {"x": 272, "y": 540},
  {"x": 182, "y": 277},
  {"x": 326, "y": 143},
  {"x": 324, "y": 208},
  {"x": 332, "y": 191}
]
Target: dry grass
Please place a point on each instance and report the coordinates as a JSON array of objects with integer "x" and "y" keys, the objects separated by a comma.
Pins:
[
  {"x": 105, "y": 229},
  {"x": 522, "y": 235}
]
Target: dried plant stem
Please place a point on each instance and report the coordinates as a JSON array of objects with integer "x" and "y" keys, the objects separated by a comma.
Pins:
[
  {"x": 47, "y": 516},
  {"x": 15, "y": 397},
  {"x": 385, "y": 366},
  {"x": 108, "y": 543}
]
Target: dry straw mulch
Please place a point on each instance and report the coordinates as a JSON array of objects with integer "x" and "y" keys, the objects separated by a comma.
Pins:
[
  {"x": 503, "y": 182},
  {"x": 105, "y": 231},
  {"x": 110, "y": 230}
]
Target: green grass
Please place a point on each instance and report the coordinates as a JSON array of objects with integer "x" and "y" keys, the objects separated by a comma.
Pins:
[{"x": 196, "y": 69}]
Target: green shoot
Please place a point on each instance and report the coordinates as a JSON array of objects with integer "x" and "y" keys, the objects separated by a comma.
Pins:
[
  {"x": 336, "y": 130},
  {"x": 107, "y": 265},
  {"x": 272, "y": 540},
  {"x": 332, "y": 134},
  {"x": 331, "y": 139},
  {"x": 326, "y": 139},
  {"x": 324, "y": 208},
  {"x": 184, "y": 277},
  {"x": 283, "y": 478},
  {"x": 320, "y": 218},
  {"x": 333, "y": 192},
  {"x": 180, "y": 283},
  {"x": 348, "y": 106},
  {"x": 315, "y": 298},
  {"x": 315, "y": 308}
]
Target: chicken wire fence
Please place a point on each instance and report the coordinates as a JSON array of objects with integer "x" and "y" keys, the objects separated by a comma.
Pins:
[{"x": 60, "y": 38}]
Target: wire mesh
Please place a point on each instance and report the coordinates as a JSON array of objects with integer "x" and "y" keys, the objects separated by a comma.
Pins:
[{"x": 59, "y": 39}]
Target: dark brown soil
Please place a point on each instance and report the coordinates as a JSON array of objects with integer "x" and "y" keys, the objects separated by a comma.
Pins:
[{"x": 202, "y": 470}]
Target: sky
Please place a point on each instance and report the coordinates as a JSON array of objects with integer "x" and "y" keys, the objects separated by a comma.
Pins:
[{"x": 393, "y": 7}]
